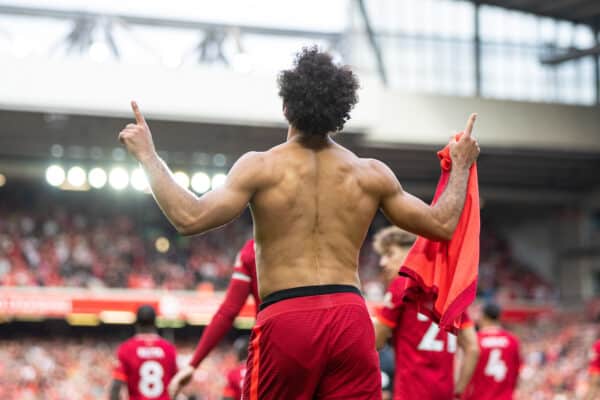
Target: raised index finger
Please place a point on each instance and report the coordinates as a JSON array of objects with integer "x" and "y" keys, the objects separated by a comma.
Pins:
[
  {"x": 470, "y": 124},
  {"x": 139, "y": 118}
]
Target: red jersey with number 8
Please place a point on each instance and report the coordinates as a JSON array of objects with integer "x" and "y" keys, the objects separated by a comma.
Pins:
[
  {"x": 424, "y": 352},
  {"x": 497, "y": 371},
  {"x": 146, "y": 363}
]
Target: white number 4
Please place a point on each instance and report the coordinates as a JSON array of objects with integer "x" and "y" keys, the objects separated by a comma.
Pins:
[{"x": 495, "y": 366}]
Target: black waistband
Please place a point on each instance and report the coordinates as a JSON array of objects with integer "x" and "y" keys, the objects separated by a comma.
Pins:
[{"x": 304, "y": 291}]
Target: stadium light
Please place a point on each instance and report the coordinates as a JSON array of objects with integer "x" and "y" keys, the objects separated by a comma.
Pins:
[
  {"x": 55, "y": 175},
  {"x": 200, "y": 182},
  {"x": 218, "y": 180},
  {"x": 139, "y": 180},
  {"x": 97, "y": 178},
  {"x": 162, "y": 244},
  {"x": 76, "y": 176},
  {"x": 118, "y": 178},
  {"x": 182, "y": 179}
]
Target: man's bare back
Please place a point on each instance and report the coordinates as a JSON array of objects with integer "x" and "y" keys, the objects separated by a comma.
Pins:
[{"x": 312, "y": 216}]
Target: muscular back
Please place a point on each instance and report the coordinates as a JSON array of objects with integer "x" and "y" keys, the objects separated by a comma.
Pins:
[{"x": 312, "y": 215}]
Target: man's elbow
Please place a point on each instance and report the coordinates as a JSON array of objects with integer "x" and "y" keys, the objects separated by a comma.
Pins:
[
  {"x": 446, "y": 229},
  {"x": 187, "y": 225},
  {"x": 184, "y": 229},
  {"x": 442, "y": 233}
]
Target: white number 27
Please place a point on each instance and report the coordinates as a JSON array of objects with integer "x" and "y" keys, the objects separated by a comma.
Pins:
[{"x": 430, "y": 341}]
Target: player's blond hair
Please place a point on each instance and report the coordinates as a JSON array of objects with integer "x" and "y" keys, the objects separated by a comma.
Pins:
[{"x": 392, "y": 236}]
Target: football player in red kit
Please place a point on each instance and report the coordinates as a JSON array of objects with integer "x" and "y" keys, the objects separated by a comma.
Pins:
[
  {"x": 243, "y": 283},
  {"x": 235, "y": 377},
  {"x": 424, "y": 353},
  {"x": 146, "y": 362},
  {"x": 497, "y": 371}
]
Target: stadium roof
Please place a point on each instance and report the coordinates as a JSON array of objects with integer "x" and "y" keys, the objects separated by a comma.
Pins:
[{"x": 580, "y": 11}]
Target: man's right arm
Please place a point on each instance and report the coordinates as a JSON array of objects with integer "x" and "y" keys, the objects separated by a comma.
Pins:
[{"x": 438, "y": 221}]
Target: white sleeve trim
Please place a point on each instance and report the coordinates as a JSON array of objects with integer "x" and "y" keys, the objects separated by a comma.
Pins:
[{"x": 241, "y": 277}]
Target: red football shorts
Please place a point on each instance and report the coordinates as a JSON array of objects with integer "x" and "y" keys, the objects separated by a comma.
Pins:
[{"x": 313, "y": 342}]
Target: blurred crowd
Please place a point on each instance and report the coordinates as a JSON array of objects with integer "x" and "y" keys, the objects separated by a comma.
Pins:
[
  {"x": 555, "y": 356},
  {"x": 62, "y": 248},
  {"x": 75, "y": 250},
  {"x": 67, "y": 369}
]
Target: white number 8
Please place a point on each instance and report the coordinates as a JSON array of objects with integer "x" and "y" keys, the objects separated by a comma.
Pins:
[{"x": 151, "y": 384}]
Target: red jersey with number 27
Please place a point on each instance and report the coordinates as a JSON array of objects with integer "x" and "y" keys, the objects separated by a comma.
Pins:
[
  {"x": 497, "y": 371},
  {"x": 424, "y": 352},
  {"x": 146, "y": 362}
]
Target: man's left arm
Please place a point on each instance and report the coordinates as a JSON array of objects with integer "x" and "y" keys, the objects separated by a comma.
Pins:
[
  {"x": 467, "y": 341},
  {"x": 188, "y": 213}
]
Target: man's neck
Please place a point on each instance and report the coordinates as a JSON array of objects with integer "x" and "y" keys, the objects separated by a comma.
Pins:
[
  {"x": 146, "y": 331},
  {"x": 489, "y": 326},
  {"x": 311, "y": 141}
]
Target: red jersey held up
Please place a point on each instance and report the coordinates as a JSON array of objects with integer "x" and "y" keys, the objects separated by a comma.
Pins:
[
  {"x": 444, "y": 274},
  {"x": 146, "y": 362},
  {"x": 424, "y": 352},
  {"x": 235, "y": 382},
  {"x": 497, "y": 372}
]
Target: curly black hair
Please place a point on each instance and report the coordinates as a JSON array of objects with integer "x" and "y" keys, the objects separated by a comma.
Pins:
[{"x": 317, "y": 94}]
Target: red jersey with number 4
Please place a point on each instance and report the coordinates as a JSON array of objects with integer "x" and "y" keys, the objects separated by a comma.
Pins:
[
  {"x": 235, "y": 382},
  {"x": 146, "y": 362},
  {"x": 595, "y": 359},
  {"x": 497, "y": 371},
  {"x": 245, "y": 269},
  {"x": 424, "y": 352}
]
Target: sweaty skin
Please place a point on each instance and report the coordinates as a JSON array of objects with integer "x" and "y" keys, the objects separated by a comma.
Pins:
[{"x": 312, "y": 202}]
